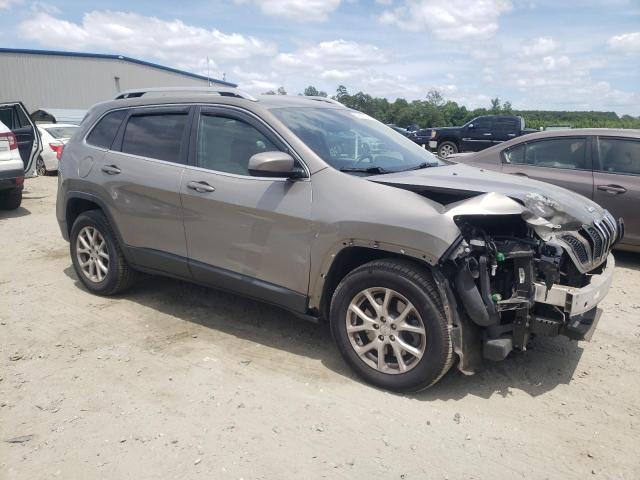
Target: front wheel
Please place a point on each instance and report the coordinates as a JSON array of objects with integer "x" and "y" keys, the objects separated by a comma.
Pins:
[
  {"x": 446, "y": 149},
  {"x": 388, "y": 322}
]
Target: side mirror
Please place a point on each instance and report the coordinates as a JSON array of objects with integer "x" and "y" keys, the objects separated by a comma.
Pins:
[{"x": 272, "y": 164}]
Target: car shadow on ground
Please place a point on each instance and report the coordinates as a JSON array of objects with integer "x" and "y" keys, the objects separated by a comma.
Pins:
[
  {"x": 548, "y": 363},
  {"x": 627, "y": 259},
  {"x": 18, "y": 212}
]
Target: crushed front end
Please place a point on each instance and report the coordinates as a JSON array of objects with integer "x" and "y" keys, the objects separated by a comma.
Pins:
[{"x": 526, "y": 267}]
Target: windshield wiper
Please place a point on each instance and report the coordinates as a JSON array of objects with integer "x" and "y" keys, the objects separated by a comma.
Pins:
[
  {"x": 365, "y": 170},
  {"x": 421, "y": 166}
]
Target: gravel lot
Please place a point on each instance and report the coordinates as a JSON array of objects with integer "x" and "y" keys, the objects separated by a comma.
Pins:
[{"x": 173, "y": 380}]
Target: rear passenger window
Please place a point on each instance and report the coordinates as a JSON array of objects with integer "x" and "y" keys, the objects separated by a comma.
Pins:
[
  {"x": 568, "y": 153},
  {"x": 155, "y": 136},
  {"x": 104, "y": 132},
  {"x": 619, "y": 156}
]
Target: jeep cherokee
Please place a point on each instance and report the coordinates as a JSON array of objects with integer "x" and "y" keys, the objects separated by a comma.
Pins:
[{"x": 320, "y": 209}]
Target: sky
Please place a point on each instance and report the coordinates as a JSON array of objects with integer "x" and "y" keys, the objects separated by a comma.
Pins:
[{"x": 537, "y": 54}]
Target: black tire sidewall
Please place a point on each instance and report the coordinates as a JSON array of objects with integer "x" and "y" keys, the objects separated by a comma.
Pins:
[
  {"x": 44, "y": 167},
  {"x": 98, "y": 221},
  {"x": 11, "y": 199},
  {"x": 430, "y": 367}
]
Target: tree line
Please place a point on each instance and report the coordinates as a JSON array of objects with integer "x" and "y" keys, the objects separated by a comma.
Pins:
[{"x": 436, "y": 111}]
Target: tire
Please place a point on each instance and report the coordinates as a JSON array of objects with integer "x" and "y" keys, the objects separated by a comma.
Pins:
[
  {"x": 415, "y": 284},
  {"x": 11, "y": 199},
  {"x": 119, "y": 275},
  {"x": 41, "y": 169},
  {"x": 447, "y": 148}
]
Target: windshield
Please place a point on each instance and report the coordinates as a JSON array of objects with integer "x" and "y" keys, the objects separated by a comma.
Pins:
[
  {"x": 61, "y": 132},
  {"x": 354, "y": 142}
]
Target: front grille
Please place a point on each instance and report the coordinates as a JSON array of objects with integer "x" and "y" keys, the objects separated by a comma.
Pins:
[
  {"x": 591, "y": 244},
  {"x": 597, "y": 241},
  {"x": 578, "y": 248}
]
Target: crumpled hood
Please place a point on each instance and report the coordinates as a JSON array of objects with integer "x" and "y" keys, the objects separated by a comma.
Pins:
[{"x": 559, "y": 207}]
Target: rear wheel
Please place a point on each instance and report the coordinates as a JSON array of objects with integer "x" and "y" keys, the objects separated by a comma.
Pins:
[
  {"x": 11, "y": 199},
  {"x": 41, "y": 169},
  {"x": 97, "y": 257},
  {"x": 388, "y": 322},
  {"x": 447, "y": 148}
]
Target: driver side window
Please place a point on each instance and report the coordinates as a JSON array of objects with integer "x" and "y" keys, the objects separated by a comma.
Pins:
[{"x": 226, "y": 144}]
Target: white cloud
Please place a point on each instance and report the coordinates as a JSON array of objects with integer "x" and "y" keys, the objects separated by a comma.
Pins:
[
  {"x": 136, "y": 35},
  {"x": 449, "y": 19},
  {"x": 299, "y": 10},
  {"x": 539, "y": 46},
  {"x": 626, "y": 43},
  {"x": 6, "y": 4},
  {"x": 338, "y": 59}
]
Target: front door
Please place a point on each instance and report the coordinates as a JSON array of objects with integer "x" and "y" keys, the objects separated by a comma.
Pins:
[
  {"x": 617, "y": 182},
  {"x": 15, "y": 117},
  {"x": 245, "y": 233},
  {"x": 477, "y": 135}
]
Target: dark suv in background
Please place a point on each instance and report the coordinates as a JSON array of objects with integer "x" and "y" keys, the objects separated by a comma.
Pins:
[{"x": 322, "y": 210}]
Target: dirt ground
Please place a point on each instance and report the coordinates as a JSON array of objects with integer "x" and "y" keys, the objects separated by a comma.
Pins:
[{"x": 172, "y": 380}]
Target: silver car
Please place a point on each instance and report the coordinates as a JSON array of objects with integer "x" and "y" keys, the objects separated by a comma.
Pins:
[{"x": 416, "y": 263}]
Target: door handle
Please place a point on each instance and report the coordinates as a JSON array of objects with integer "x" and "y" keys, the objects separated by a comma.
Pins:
[
  {"x": 111, "y": 169},
  {"x": 200, "y": 187},
  {"x": 486, "y": 134},
  {"x": 612, "y": 189}
]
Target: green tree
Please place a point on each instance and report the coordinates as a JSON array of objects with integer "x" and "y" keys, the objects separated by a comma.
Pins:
[
  {"x": 312, "y": 91},
  {"x": 281, "y": 91}
]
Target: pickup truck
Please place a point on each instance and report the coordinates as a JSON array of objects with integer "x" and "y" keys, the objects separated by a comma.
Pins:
[{"x": 475, "y": 135}]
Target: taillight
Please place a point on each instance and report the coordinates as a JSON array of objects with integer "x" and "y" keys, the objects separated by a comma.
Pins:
[
  {"x": 13, "y": 143},
  {"x": 57, "y": 147}
]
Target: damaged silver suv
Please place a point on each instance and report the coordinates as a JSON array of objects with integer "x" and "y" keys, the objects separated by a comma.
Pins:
[{"x": 300, "y": 202}]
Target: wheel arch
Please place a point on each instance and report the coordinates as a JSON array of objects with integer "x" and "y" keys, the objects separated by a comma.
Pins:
[
  {"x": 348, "y": 258},
  {"x": 80, "y": 202}
]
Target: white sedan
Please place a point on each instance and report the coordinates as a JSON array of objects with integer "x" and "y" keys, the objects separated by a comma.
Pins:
[{"x": 54, "y": 136}]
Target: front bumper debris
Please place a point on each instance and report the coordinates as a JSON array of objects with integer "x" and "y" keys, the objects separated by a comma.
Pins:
[{"x": 576, "y": 301}]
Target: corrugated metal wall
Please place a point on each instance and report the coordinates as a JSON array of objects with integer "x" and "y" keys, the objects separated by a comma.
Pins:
[{"x": 76, "y": 82}]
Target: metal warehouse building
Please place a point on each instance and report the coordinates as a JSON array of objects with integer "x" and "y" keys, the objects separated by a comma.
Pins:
[{"x": 44, "y": 79}]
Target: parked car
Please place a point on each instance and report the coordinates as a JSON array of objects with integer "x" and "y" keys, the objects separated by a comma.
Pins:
[
  {"x": 421, "y": 136},
  {"x": 601, "y": 164},
  {"x": 414, "y": 261},
  {"x": 11, "y": 170},
  {"x": 14, "y": 116},
  {"x": 54, "y": 136},
  {"x": 477, "y": 134},
  {"x": 398, "y": 129}
]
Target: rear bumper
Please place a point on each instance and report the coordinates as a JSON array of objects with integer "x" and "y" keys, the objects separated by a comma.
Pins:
[{"x": 577, "y": 301}]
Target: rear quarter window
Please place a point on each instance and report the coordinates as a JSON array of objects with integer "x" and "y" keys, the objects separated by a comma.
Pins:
[{"x": 105, "y": 131}]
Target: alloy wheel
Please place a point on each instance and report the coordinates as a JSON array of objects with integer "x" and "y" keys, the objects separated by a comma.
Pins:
[
  {"x": 92, "y": 254},
  {"x": 386, "y": 330},
  {"x": 41, "y": 170}
]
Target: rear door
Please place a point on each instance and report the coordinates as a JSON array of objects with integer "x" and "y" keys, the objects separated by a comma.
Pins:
[
  {"x": 505, "y": 128},
  {"x": 140, "y": 176},
  {"x": 617, "y": 181},
  {"x": 478, "y": 135},
  {"x": 562, "y": 161},
  {"x": 14, "y": 115}
]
